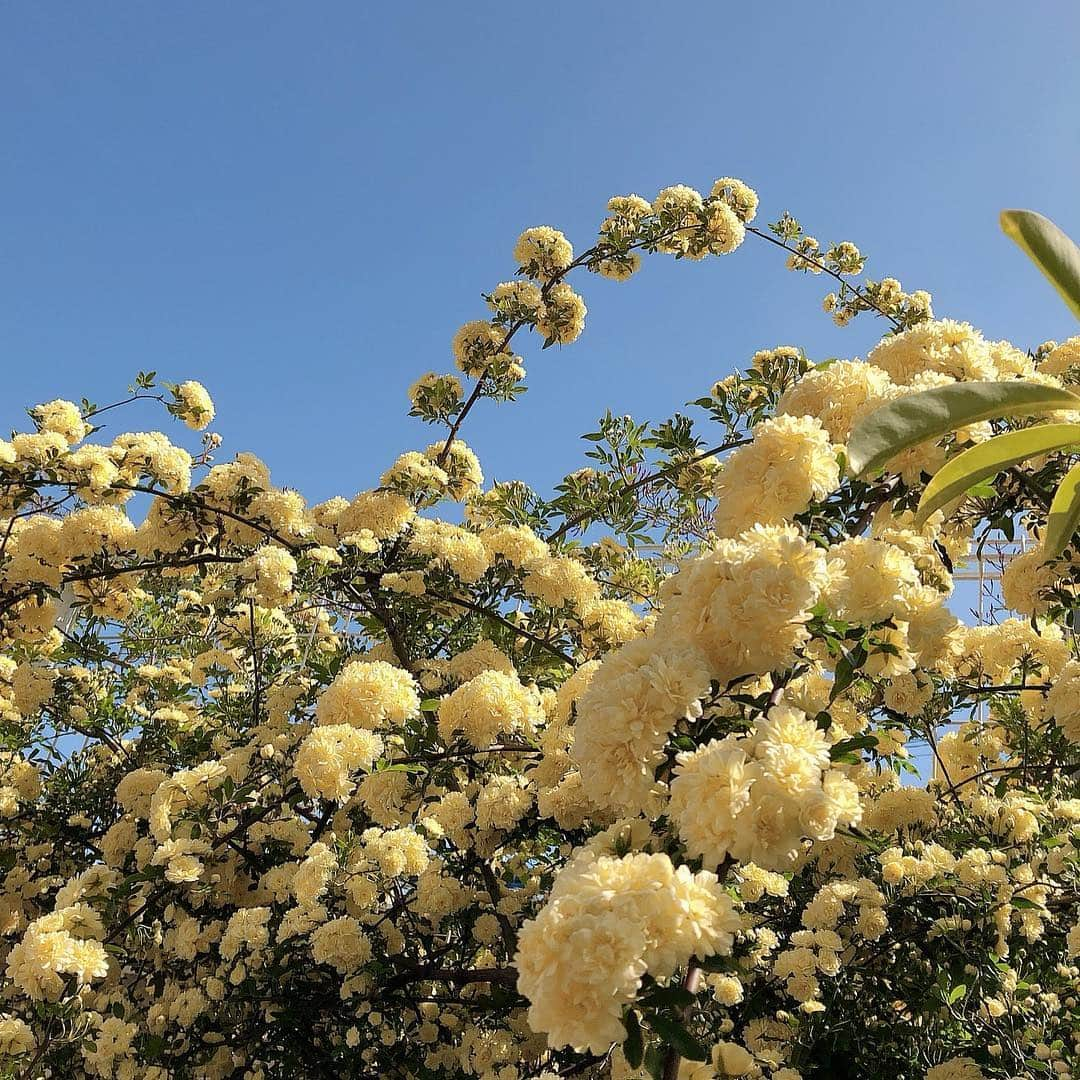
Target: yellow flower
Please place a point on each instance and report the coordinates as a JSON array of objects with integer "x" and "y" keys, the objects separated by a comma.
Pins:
[
  {"x": 62, "y": 418},
  {"x": 329, "y": 755},
  {"x": 491, "y": 703},
  {"x": 542, "y": 252},
  {"x": 16, "y": 1038},
  {"x": 193, "y": 405},
  {"x": 607, "y": 922},
  {"x": 369, "y": 694},
  {"x": 789, "y": 464}
]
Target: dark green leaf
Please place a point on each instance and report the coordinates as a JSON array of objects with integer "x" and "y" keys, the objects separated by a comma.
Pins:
[
  {"x": 677, "y": 997},
  {"x": 1025, "y": 904},
  {"x": 654, "y": 1062},
  {"x": 634, "y": 1044},
  {"x": 847, "y": 746},
  {"x": 675, "y": 1035}
]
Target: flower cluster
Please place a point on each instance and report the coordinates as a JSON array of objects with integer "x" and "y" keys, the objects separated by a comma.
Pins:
[
  {"x": 608, "y": 922},
  {"x": 688, "y": 768},
  {"x": 755, "y": 798}
]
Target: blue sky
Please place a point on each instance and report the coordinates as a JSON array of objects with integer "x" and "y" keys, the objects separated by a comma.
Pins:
[{"x": 298, "y": 203}]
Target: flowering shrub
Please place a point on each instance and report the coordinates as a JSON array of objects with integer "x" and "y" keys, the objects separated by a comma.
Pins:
[{"x": 603, "y": 784}]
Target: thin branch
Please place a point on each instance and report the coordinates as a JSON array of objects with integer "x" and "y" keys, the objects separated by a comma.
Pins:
[
  {"x": 469, "y": 605},
  {"x": 125, "y": 401},
  {"x": 826, "y": 269},
  {"x": 646, "y": 481}
]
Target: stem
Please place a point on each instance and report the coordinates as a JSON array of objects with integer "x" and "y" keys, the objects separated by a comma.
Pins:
[
  {"x": 692, "y": 978},
  {"x": 691, "y": 982},
  {"x": 120, "y": 571},
  {"x": 256, "y": 674},
  {"x": 646, "y": 481},
  {"x": 492, "y": 886},
  {"x": 832, "y": 273},
  {"x": 478, "y": 389},
  {"x": 469, "y": 605},
  {"x": 583, "y": 259},
  {"x": 125, "y": 401}
]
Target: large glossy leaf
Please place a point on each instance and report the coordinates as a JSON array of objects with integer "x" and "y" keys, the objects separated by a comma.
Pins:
[
  {"x": 1049, "y": 249},
  {"x": 988, "y": 458},
  {"x": 1064, "y": 516},
  {"x": 929, "y": 414}
]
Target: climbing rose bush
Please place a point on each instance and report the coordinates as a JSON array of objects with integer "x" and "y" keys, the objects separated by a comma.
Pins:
[{"x": 444, "y": 780}]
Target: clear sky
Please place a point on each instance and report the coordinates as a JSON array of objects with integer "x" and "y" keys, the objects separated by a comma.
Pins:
[{"x": 298, "y": 203}]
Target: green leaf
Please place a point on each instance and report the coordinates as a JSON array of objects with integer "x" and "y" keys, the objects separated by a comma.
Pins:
[
  {"x": 675, "y": 1035},
  {"x": 1024, "y": 904},
  {"x": 956, "y": 993},
  {"x": 634, "y": 1043},
  {"x": 844, "y": 676},
  {"x": 654, "y": 1062},
  {"x": 988, "y": 458},
  {"x": 1049, "y": 249},
  {"x": 153, "y": 1047},
  {"x": 667, "y": 996},
  {"x": 846, "y": 669},
  {"x": 929, "y": 414},
  {"x": 1064, "y": 517},
  {"x": 847, "y": 746},
  {"x": 714, "y": 964}
]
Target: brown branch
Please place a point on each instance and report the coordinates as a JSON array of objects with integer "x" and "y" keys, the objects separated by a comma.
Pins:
[
  {"x": 691, "y": 983},
  {"x": 210, "y": 508},
  {"x": 832, "y": 273},
  {"x": 454, "y": 976},
  {"x": 109, "y": 572},
  {"x": 378, "y": 610},
  {"x": 492, "y": 887},
  {"x": 469, "y": 605},
  {"x": 692, "y": 979},
  {"x": 126, "y": 401},
  {"x": 582, "y": 260}
]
